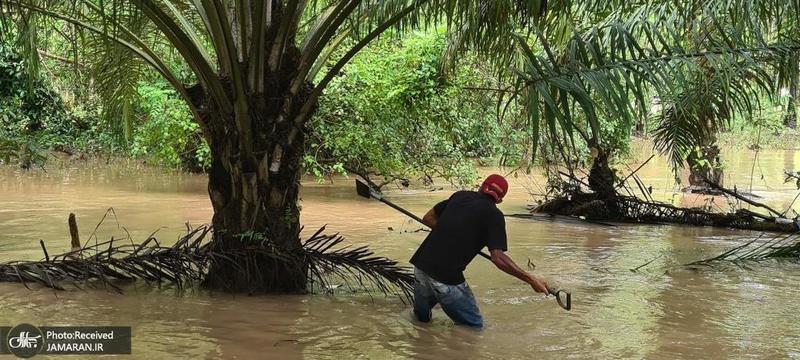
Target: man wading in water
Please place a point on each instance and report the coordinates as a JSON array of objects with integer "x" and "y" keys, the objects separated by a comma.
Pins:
[{"x": 461, "y": 227}]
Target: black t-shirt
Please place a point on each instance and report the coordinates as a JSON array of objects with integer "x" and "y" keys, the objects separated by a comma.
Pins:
[{"x": 467, "y": 222}]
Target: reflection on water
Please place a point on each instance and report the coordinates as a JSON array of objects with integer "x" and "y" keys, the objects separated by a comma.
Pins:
[{"x": 659, "y": 311}]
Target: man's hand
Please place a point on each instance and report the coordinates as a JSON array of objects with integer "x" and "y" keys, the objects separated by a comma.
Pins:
[
  {"x": 539, "y": 285},
  {"x": 505, "y": 263}
]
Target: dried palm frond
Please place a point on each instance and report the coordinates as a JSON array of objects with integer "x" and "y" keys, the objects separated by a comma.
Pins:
[
  {"x": 356, "y": 266},
  {"x": 786, "y": 247},
  {"x": 187, "y": 263},
  {"x": 106, "y": 263}
]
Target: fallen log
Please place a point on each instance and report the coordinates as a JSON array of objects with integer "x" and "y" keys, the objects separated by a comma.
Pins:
[
  {"x": 742, "y": 198},
  {"x": 630, "y": 209},
  {"x": 572, "y": 201}
]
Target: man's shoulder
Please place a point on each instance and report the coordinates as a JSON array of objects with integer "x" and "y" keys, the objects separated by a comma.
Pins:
[
  {"x": 461, "y": 194},
  {"x": 476, "y": 201},
  {"x": 464, "y": 193}
]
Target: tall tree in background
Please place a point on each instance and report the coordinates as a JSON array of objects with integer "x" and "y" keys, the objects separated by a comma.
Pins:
[{"x": 790, "y": 78}]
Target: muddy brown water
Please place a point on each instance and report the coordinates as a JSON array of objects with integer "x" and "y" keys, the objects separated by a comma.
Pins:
[{"x": 663, "y": 311}]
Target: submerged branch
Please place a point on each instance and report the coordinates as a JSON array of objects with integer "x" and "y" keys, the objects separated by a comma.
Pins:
[
  {"x": 741, "y": 197},
  {"x": 792, "y": 176},
  {"x": 572, "y": 200}
]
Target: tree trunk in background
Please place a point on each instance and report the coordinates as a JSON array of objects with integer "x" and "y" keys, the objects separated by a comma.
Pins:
[
  {"x": 601, "y": 177},
  {"x": 790, "y": 120},
  {"x": 705, "y": 165},
  {"x": 704, "y": 161},
  {"x": 639, "y": 130},
  {"x": 189, "y": 157}
]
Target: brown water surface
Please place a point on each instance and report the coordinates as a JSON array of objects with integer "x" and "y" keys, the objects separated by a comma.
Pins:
[{"x": 663, "y": 311}]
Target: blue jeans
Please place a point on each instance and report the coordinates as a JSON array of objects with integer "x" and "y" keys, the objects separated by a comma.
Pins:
[{"x": 457, "y": 301}]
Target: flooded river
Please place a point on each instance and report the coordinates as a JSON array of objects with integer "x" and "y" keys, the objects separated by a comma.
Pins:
[{"x": 662, "y": 311}]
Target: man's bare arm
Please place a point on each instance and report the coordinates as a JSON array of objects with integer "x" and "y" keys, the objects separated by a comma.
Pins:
[
  {"x": 505, "y": 263},
  {"x": 430, "y": 218}
]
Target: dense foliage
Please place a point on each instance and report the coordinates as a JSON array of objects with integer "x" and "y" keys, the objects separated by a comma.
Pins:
[
  {"x": 31, "y": 113},
  {"x": 34, "y": 117},
  {"x": 396, "y": 111},
  {"x": 165, "y": 131}
]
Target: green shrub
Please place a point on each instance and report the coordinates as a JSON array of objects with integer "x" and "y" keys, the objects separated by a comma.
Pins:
[
  {"x": 393, "y": 111},
  {"x": 166, "y": 132}
]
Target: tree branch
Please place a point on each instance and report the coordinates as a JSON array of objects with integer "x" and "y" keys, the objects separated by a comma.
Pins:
[{"x": 60, "y": 59}]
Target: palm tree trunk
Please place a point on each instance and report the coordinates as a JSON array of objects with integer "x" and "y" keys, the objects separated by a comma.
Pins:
[
  {"x": 255, "y": 200},
  {"x": 601, "y": 177},
  {"x": 639, "y": 130}
]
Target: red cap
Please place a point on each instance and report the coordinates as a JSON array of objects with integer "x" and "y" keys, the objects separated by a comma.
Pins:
[{"x": 495, "y": 186}]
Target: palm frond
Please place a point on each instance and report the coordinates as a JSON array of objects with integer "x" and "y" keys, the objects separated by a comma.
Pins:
[
  {"x": 792, "y": 176},
  {"x": 117, "y": 73},
  {"x": 779, "y": 247},
  {"x": 27, "y": 33},
  {"x": 489, "y": 27},
  {"x": 186, "y": 263},
  {"x": 104, "y": 264},
  {"x": 355, "y": 266},
  {"x": 611, "y": 72},
  {"x": 706, "y": 104}
]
